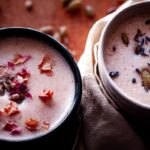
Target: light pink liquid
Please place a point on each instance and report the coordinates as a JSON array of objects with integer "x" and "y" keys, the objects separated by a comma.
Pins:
[
  {"x": 126, "y": 61},
  {"x": 61, "y": 83}
]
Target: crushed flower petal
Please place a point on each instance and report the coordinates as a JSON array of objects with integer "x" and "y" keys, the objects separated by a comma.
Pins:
[
  {"x": 16, "y": 131},
  {"x": 20, "y": 59},
  {"x": 10, "y": 125},
  {"x": 45, "y": 65},
  {"x": 11, "y": 109},
  {"x": 46, "y": 95},
  {"x": 24, "y": 74},
  {"x": 11, "y": 65},
  {"x": 45, "y": 125},
  {"x": 31, "y": 124}
]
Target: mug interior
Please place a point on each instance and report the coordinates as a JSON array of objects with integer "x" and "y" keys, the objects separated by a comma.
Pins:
[{"x": 28, "y": 32}]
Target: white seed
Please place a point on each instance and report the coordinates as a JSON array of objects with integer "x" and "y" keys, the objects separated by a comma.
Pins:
[
  {"x": 89, "y": 11},
  {"x": 73, "y": 5},
  {"x": 47, "y": 29},
  {"x": 145, "y": 75},
  {"x": 20, "y": 79},
  {"x": 28, "y": 4},
  {"x": 73, "y": 52},
  {"x": 65, "y": 41},
  {"x": 6, "y": 86},
  {"x": 63, "y": 31},
  {"x": 57, "y": 36}
]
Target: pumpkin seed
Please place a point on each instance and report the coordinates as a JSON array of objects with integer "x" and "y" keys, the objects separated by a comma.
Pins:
[{"x": 125, "y": 39}]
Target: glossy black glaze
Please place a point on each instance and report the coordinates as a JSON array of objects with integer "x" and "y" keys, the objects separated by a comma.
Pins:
[{"x": 65, "y": 131}]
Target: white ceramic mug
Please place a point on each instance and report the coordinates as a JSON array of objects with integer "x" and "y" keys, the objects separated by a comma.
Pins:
[{"x": 125, "y": 103}]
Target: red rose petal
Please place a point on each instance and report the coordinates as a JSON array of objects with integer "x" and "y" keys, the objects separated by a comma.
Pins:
[
  {"x": 46, "y": 95},
  {"x": 45, "y": 125},
  {"x": 29, "y": 95},
  {"x": 11, "y": 65},
  {"x": 31, "y": 124},
  {"x": 45, "y": 65},
  {"x": 16, "y": 131},
  {"x": 10, "y": 125},
  {"x": 19, "y": 59},
  {"x": 11, "y": 109}
]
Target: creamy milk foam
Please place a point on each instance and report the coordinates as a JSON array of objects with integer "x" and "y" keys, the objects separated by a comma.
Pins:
[
  {"x": 61, "y": 83},
  {"x": 123, "y": 61}
]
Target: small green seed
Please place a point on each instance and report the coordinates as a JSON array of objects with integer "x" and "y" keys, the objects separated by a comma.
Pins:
[
  {"x": 6, "y": 86},
  {"x": 138, "y": 49},
  {"x": 125, "y": 39},
  {"x": 15, "y": 97},
  {"x": 22, "y": 96}
]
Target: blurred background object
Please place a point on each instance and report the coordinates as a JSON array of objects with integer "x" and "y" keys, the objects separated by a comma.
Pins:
[{"x": 68, "y": 21}]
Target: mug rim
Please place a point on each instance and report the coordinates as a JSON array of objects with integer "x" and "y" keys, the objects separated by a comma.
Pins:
[
  {"x": 101, "y": 61},
  {"x": 30, "y": 32}
]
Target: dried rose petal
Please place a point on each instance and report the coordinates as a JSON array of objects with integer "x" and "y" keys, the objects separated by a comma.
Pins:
[
  {"x": 16, "y": 131},
  {"x": 10, "y": 125},
  {"x": 45, "y": 65},
  {"x": 46, "y": 95},
  {"x": 11, "y": 65},
  {"x": 19, "y": 59},
  {"x": 24, "y": 74},
  {"x": 46, "y": 68},
  {"x": 23, "y": 88},
  {"x": 11, "y": 109},
  {"x": 45, "y": 125},
  {"x": 31, "y": 124},
  {"x": 41, "y": 63},
  {"x": 28, "y": 95}
]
